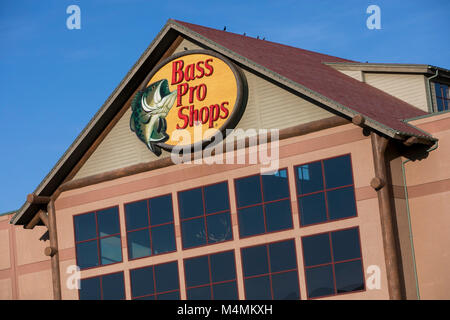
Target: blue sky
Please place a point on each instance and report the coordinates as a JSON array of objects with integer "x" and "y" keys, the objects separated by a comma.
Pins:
[{"x": 53, "y": 80}]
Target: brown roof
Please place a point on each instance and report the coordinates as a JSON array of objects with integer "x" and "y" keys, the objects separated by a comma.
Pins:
[{"x": 307, "y": 68}]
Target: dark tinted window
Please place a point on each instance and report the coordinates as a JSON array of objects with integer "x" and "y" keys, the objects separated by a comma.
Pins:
[
  {"x": 338, "y": 172},
  {"x": 345, "y": 245},
  {"x": 275, "y": 186},
  {"x": 270, "y": 271},
  {"x": 161, "y": 210},
  {"x": 85, "y": 227},
  {"x": 267, "y": 212},
  {"x": 248, "y": 191},
  {"x": 442, "y": 96},
  {"x": 205, "y": 215},
  {"x": 216, "y": 198},
  {"x": 97, "y": 238},
  {"x": 211, "y": 277},
  {"x": 90, "y": 289},
  {"x": 106, "y": 287},
  {"x": 333, "y": 263},
  {"x": 325, "y": 190},
  {"x": 309, "y": 178},
  {"x": 136, "y": 215},
  {"x": 113, "y": 286},
  {"x": 150, "y": 227},
  {"x": 190, "y": 203},
  {"x": 158, "y": 282},
  {"x": 108, "y": 222},
  {"x": 316, "y": 249},
  {"x": 166, "y": 277},
  {"x": 142, "y": 282}
]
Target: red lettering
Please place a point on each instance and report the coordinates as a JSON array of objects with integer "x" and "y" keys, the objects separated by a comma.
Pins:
[
  {"x": 201, "y": 92},
  {"x": 200, "y": 69},
  {"x": 182, "y": 89},
  {"x": 214, "y": 112},
  {"x": 193, "y": 115},
  {"x": 184, "y": 117},
  {"x": 204, "y": 114},
  {"x": 177, "y": 71},
  {"x": 191, "y": 94},
  {"x": 189, "y": 73},
  {"x": 224, "y": 109},
  {"x": 209, "y": 67}
]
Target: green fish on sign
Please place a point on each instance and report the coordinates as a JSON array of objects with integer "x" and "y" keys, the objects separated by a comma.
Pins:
[{"x": 150, "y": 108}]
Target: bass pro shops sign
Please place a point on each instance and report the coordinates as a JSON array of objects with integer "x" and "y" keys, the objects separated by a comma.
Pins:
[{"x": 188, "y": 90}]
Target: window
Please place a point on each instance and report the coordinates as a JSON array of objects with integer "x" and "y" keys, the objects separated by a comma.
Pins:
[
  {"x": 325, "y": 190},
  {"x": 211, "y": 277},
  {"x": 205, "y": 215},
  {"x": 97, "y": 238},
  {"x": 159, "y": 282},
  {"x": 270, "y": 271},
  {"x": 105, "y": 287},
  {"x": 333, "y": 263},
  {"x": 150, "y": 227},
  {"x": 263, "y": 203},
  {"x": 442, "y": 96}
]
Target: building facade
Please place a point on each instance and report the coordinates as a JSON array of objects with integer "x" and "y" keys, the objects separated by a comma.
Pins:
[{"x": 357, "y": 207}]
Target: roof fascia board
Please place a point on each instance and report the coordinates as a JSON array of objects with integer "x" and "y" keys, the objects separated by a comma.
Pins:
[{"x": 380, "y": 67}]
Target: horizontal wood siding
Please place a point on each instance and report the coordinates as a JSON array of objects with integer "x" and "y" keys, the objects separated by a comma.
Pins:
[{"x": 407, "y": 87}]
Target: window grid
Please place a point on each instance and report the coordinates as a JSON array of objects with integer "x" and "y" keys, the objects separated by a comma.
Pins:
[
  {"x": 101, "y": 284},
  {"x": 263, "y": 203},
  {"x": 442, "y": 94},
  {"x": 155, "y": 294},
  {"x": 211, "y": 283},
  {"x": 97, "y": 239},
  {"x": 149, "y": 227},
  {"x": 325, "y": 190},
  {"x": 204, "y": 215},
  {"x": 333, "y": 264},
  {"x": 270, "y": 273}
]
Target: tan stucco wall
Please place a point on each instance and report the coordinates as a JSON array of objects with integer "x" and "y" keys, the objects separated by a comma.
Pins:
[
  {"x": 327, "y": 143},
  {"x": 428, "y": 183},
  {"x": 24, "y": 269}
]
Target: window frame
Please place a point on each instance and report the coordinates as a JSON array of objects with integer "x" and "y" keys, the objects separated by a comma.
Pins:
[
  {"x": 262, "y": 204},
  {"x": 332, "y": 263},
  {"x": 154, "y": 280},
  {"x": 269, "y": 268},
  {"x": 211, "y": 283},
  {"x": 149, "y": 227},
  {"x": 204, "y": 215},
  {"x": 324, "y": 191},
  {"x": 441, "y": 96},
  {"x": 98, "y": 238},
  {"x": 101, "y": 284}
]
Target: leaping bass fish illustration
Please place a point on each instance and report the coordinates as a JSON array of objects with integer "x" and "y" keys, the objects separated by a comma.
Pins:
[{"x": 150, "y": 108}]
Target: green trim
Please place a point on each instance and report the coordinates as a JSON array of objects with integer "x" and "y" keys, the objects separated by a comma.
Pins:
[{"x": 426, "y": 116}]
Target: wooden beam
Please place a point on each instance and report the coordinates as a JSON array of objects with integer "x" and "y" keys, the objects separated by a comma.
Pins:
[
  {"x": 359, "y": 120},
  {"x": 34, "y": 199},
  {"x": 387, "y": 217},
  {"x": 166, "y": 162},
  {"x": 44, "y": 217},
  {"x": 33, "y": 222},
  {"x": 56, "y": 277}
]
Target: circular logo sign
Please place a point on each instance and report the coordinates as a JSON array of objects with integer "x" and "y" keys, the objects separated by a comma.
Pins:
[{"x": 189, "y": 100}]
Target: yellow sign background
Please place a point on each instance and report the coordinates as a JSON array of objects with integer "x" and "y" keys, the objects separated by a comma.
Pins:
[{"x": 221, "y": 86}]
